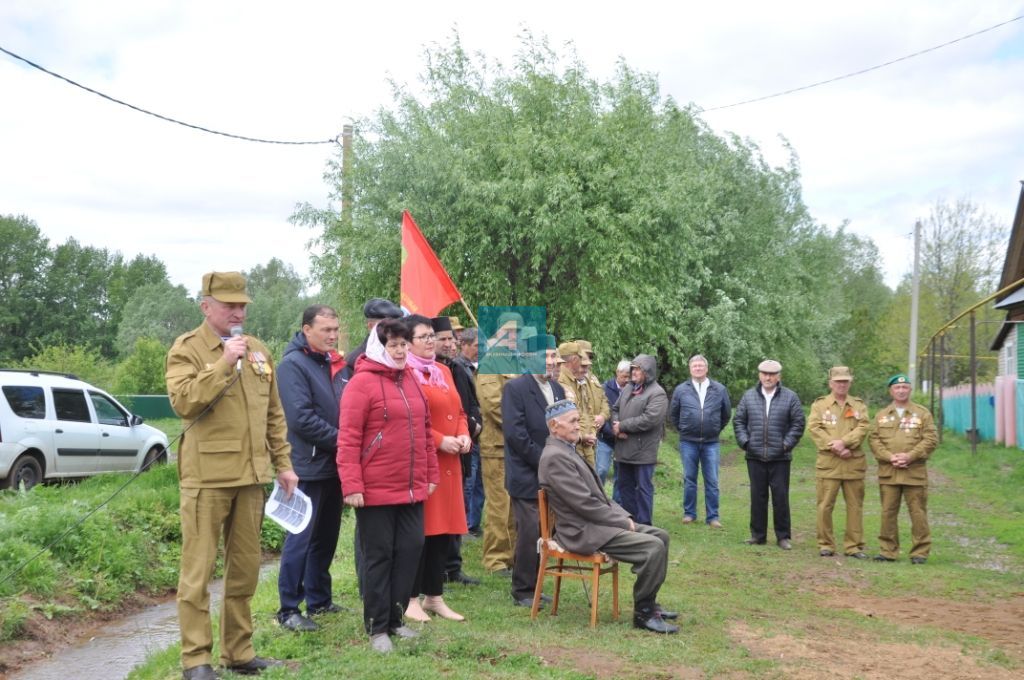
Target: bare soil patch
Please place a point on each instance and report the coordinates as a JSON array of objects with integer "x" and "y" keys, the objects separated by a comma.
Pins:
[
  {"x": 608, "y": 666},
  {"x": 838, "y": 653}
]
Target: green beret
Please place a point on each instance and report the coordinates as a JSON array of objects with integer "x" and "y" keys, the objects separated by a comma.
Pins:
[{"x": 899, "y": 379}]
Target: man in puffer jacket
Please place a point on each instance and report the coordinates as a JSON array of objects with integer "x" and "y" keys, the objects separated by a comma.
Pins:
[
  {"x": 638, "y": 423},
  {"x": 768, "y": 423},
  {"x": 311, "y": 383}
]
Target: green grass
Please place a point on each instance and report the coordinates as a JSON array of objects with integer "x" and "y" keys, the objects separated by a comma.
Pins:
[{"x": 715, "y": 581}]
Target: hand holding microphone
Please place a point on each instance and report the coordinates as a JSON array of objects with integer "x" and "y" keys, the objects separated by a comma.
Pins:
[{"x": 235, "y": 347}]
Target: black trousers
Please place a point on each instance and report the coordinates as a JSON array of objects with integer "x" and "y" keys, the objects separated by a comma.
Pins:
[
  {"x": 391, "y": 539},
  {"x": 306, "y": 558},
  {"x": 430, "y": 575},
  {"x": 524, "y": 571},
  {"x": 453, "y": 563},
  {"x": 646, "y": 549},
  {"x": 764, "y": 477}
]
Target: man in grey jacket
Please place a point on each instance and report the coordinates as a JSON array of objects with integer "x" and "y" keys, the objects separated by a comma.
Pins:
[
  {"x": 768, "y": 423},
  {"x": 638, "y": 423},
  {"x": 587, "y": 522}
]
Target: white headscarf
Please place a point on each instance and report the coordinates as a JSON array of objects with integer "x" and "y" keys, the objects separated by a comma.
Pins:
[{"x": 375, "y": 350}]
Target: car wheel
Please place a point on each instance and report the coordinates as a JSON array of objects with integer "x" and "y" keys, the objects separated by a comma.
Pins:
[
  {"x": 26, "y": 470},
  {"x": 155, "y": 456}
]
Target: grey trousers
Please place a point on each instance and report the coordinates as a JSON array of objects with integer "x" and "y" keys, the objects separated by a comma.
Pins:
[
  {"x": 647, "y": 550},
  {"x": 527, "y": 561}
]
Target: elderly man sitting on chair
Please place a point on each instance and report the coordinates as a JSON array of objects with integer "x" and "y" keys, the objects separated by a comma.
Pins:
[{"x": 587, "y": 522}]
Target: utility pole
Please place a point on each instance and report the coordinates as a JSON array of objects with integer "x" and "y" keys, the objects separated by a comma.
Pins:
[{"x": 914, "y": 295}]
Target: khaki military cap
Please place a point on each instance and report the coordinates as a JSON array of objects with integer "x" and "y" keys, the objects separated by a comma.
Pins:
[
  {"x": 568, "y": 349},
  {"x": 456, "y": 324},
  {"x": 586, "y": 351},
  {"x": 769, "y": 366},
  {"x": 840, "y": 373},
  {"x": 225, "y": 287}
]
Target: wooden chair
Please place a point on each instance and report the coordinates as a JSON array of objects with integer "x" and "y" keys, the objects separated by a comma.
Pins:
[{"x": 587, "y": 567}]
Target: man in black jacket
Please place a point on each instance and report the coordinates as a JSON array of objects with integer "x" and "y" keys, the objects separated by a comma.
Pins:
[
  {"x": 769, "y": 422},
  {"x": 523, "y": 403},
  {"x": 310, "y": 380}
]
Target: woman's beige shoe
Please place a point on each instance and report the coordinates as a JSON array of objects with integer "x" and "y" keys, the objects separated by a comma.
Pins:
[
  {"x": 435, "y": 603},
  {"x": 414, "y": 612}
]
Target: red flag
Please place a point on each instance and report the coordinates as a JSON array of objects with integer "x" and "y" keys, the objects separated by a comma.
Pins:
[{"x": 426, "y": 286}]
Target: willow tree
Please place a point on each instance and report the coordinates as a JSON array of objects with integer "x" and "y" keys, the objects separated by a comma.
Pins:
[{"x": 620, "y": 211}]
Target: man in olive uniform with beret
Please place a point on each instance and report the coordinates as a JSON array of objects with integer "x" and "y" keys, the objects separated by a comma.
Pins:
[
  {"x": 593, "y": 413},
  {"x": 903, "y": 438},
  {"x": 602, "y": 410},
  {"x": 838, "y": 424},
  {"x": 222, "y": 384}
]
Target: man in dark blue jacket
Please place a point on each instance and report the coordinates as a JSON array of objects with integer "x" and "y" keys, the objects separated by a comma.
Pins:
[
  {"x": 523, "y": 404},
  {"x": 700, "y": 410},
  {"x": 311, "y": 382}
]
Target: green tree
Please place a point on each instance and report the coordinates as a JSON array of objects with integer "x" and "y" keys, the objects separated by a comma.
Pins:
[
  {"x": 86, "y": 362},
  {"x": 157, "y": 310},
  {"x": 278, "y": 297},
  {"x": 24, "y": 257},
  {"x": 142, "y": 372},
  {"x": 622, "y": 213}
]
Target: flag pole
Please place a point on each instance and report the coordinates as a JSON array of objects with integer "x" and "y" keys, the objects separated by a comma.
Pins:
[{"x": 468, "y": 311}]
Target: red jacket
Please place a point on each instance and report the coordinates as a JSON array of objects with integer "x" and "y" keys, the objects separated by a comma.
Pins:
[
  {"x": 445, "y": 511},
  {"x": 385, "y": 448}
]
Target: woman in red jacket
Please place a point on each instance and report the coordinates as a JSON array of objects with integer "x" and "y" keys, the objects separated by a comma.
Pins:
[
  {"x": 388, "y": 468},
  {"x": 445, "y": 510}
]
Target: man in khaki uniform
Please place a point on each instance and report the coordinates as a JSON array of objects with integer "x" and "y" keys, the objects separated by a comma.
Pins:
[
  {"x": 222, "y": 385},
  {"x": 593, "y": 413},
  {"x": 903, "y": 438},
  {"x": 838, "y": 424},
  {"x": 499, "y": 523},
  {"x": 602, "y": 409}
]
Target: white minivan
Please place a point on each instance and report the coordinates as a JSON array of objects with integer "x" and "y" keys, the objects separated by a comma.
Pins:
[{"x": 55, "y": 426}]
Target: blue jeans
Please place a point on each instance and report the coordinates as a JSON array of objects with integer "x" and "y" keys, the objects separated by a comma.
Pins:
[
  {"x": 306, "y": 558},
  {"x": 604, "y": 459},
  {"x": 473, "y": 491},
  {"x": 635, "y": 484},
  {"x": 705, "y": 456}
]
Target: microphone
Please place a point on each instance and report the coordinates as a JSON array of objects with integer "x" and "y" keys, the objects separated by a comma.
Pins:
[{"x": 236, "y": 331}]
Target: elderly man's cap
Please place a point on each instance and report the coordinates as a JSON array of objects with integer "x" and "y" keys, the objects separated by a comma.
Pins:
[
  {"x": 899, "y": 379},
  {"x": 456, "y": 324},
  {"x": 769, "y": 366},
  {"x": 379, "y": 308},
  {"x": 225, "y": 287},
  {"x": 560, "y": 407},
  {"x": 568, "y": 349},
  {"x": 441, "y": 323},
  {"x": 840, "y": 373},
  {"x": 587, "y": 351}
]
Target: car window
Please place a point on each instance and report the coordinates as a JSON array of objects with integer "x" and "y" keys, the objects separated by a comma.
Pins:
[
  {"x": 107, "y": 411},
  {"x": 26, "y": 401},
  {"x": 70, "y": 405}
]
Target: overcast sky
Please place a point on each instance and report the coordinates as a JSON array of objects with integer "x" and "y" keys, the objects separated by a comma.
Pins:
[{"x": 877, "y": 150}]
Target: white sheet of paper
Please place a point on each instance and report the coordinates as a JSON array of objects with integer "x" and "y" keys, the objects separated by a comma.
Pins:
[{"x": 293, "y": 514}]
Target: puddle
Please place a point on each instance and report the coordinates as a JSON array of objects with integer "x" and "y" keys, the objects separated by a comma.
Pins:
[{"x": 114, "y": 649}]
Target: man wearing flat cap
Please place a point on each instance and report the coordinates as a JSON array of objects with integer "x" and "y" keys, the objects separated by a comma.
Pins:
[
  {"x": 769, "y": 423},
  {"x": 224, "y": 387},
  {"x": 587, "y": 522},
  {"x": 903, "y": 439},
  {"x": 374, "y": 311},
  {"x": 838, "y": 425}
]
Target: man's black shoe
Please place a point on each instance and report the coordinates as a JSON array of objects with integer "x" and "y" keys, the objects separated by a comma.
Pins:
[
  {"x": 753, "y": 541},
  {"x": 883, "y": 558},
  {"x": 296, "y": 622},
  {"x": 327, "y": 609},
  {"x": 475, "y": 532},
  {"x": 255, "y": 666},
  {"x": 462, "y": 578},
  {"x": 825, "y": 552},
  {"x": 785, "y": 544},
  {"x": 204, "y": 672},
  {"x": 859, "y": 555},
  {"x": 665, "y": 614},
  {"x": 652, "y": 621},
  {"x": 918, "y": 560},
  {"x": 526, "y": 602}
]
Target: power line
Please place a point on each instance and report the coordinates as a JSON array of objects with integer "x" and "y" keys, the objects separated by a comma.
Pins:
[
  {"x": 865, "y": 70},
  {"x": 157, "y": 115}
]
